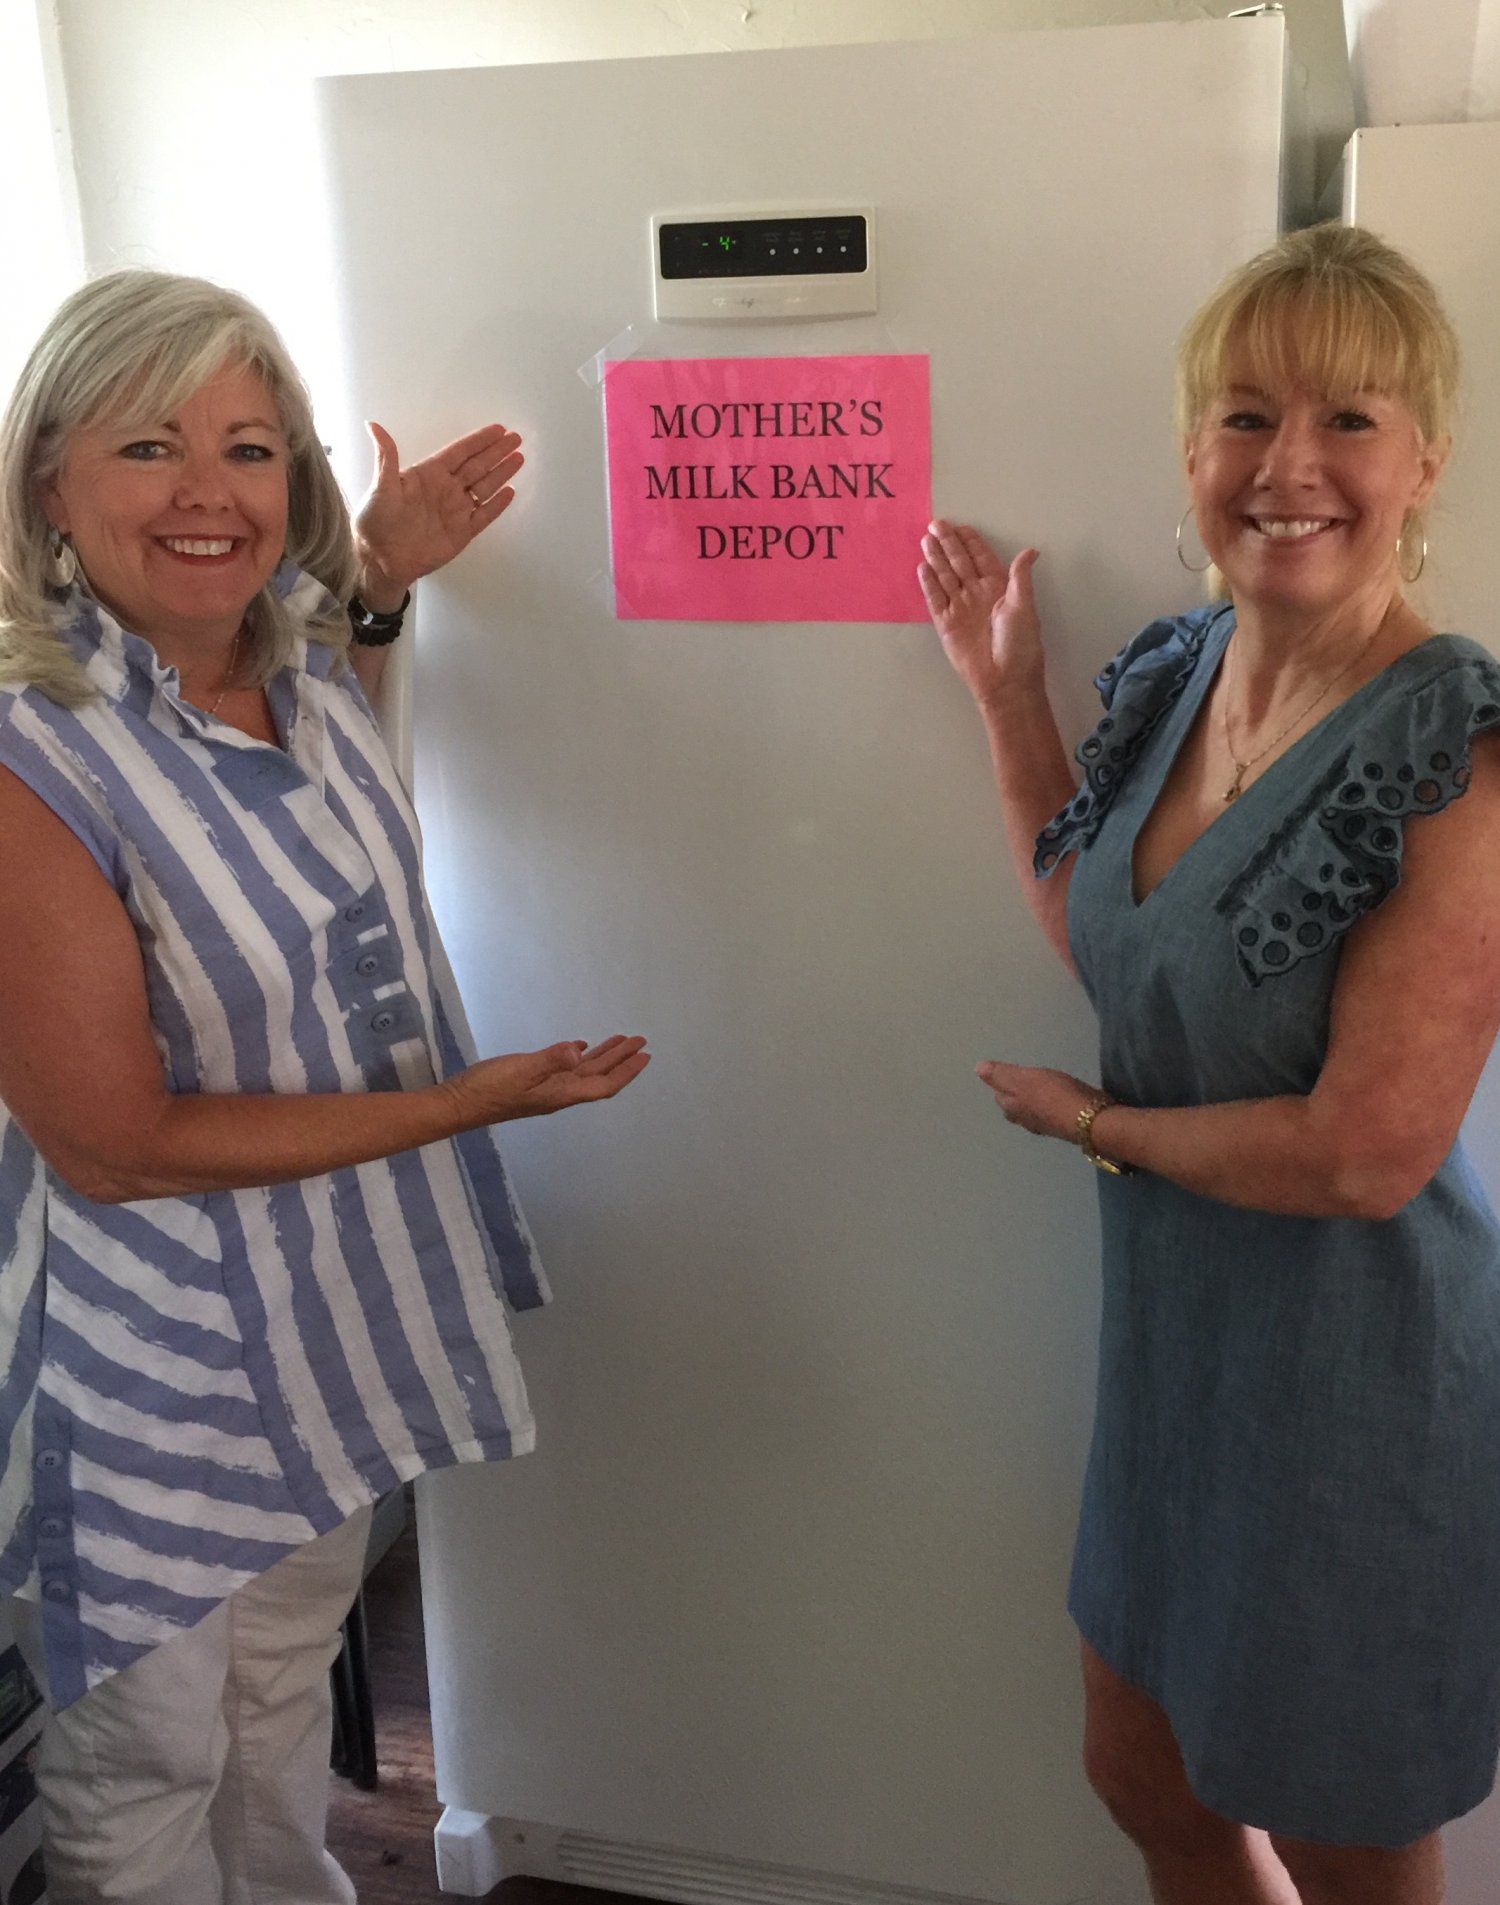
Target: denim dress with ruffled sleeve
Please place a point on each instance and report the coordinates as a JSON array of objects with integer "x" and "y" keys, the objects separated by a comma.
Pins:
[{"x": 1290, "y": 1532}]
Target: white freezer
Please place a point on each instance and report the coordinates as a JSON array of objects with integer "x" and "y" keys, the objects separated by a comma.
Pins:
[{"x": 776, "y": 1611}]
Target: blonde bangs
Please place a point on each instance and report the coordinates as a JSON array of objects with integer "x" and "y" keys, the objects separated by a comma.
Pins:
[
  {"x": 168, "y": 380},
  {"x": 1332, "y": 308},
  {"x": 177, "y": 368}
]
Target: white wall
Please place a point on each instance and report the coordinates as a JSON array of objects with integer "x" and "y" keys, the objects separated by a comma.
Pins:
[
  {"x": 1417, "y": 62},
  {"x": 39, "y": 235}
]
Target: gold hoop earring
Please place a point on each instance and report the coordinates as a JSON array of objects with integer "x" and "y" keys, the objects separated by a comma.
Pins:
[
  {"x": 1193, "y": 568},
  {"x": 1400, "y": 546}
]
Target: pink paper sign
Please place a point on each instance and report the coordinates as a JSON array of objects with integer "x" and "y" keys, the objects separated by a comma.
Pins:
[{"x": 768, "y": 489}]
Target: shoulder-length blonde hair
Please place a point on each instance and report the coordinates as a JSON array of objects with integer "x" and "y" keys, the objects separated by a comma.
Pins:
[{"x": 129, "y": 346}]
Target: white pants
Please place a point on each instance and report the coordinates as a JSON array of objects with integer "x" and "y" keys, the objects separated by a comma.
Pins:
[{"x": 199, "y": 1775}]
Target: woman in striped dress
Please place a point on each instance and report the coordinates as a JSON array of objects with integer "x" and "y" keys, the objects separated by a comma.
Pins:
[{"x": 254, "y": 1231}]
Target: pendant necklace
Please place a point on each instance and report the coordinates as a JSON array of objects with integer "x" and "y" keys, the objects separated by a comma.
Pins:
[
  {"x": 1242, "y": 768},
  {"x": 234, "y": 656}
]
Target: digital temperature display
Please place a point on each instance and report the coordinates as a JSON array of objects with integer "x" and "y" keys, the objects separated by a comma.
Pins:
[{"x": 764, "y": 248}]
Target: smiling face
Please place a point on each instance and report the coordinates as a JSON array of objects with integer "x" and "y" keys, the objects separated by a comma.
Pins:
[
  {"x": 1300, "y": 496},
  {"x": 179, "y": 521}
]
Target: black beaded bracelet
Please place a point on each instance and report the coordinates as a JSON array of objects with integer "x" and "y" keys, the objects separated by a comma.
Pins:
[{"x": 373, "y": 628}]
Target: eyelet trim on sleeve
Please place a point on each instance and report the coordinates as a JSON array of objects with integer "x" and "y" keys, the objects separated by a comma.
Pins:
[
  {"x": 1339, "y": 855},
  {"x": 1138, "y": 688}
]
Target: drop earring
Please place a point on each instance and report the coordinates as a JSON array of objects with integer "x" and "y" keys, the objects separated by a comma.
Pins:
[{"x": 62, "y": 561}]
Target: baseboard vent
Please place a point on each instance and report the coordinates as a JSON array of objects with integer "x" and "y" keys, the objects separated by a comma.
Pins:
[
  {"x": 477, "y": 1850},
  {"x": 690, "y": 1878}
]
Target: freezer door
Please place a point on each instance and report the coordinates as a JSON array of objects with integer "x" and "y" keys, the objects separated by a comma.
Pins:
[{"x": 784, "y": 1584}]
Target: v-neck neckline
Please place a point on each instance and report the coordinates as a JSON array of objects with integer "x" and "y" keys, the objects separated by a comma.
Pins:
[{"x": 1186, "y": 714}]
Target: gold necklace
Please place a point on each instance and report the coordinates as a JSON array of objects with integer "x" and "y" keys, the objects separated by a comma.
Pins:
[
  {"x": 1242, "y": 768},
  {"x": 234, "y": 656}
]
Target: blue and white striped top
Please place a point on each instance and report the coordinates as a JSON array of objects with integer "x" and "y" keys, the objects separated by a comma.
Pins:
[{"x": 191, "y": 1387}]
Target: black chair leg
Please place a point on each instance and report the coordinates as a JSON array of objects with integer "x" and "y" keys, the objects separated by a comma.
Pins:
[{"x": 353, "y": 1708}]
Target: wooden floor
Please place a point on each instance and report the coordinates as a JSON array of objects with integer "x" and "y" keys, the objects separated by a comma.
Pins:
[{"x": 383, "y": 1839}]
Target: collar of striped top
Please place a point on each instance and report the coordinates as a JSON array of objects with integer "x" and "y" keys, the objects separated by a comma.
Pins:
[{"x": 118, "y": 661}]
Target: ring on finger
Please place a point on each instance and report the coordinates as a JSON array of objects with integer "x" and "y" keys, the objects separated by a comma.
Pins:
[{"x": 477, "y": 501}]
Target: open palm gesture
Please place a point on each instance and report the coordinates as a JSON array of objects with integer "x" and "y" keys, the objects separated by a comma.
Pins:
[
  {"x": 982, "y": 608},
  {"x": 532, "y": 1084},
  {"x": 413, "y": 520}
]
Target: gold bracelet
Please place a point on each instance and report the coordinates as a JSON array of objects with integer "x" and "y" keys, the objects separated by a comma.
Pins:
[{"x": 1101, "y": 1101}]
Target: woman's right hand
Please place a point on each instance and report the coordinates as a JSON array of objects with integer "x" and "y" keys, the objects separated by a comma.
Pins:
[
  {"x": 983, "y": 609},
  {"x": 532, "y": 1084}
]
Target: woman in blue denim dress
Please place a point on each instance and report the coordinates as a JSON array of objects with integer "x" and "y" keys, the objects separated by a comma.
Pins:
[{"x": 1278, "y": 886}]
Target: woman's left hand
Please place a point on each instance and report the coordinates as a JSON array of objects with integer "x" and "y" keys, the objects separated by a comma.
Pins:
[
  {"x": 411, "y": 521},
  {"x": 1041, "y": 1101}
]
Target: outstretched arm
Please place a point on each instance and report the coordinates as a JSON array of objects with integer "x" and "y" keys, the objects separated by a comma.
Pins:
[
  {"x": 80, "y": 1072},
  {"x": 985, "y": 613}
]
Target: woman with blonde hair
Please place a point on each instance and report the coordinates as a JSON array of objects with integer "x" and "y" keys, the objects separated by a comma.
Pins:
[
  {"x": 255, "y": 1234},
  {"x": 1279, "y": 887}
]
